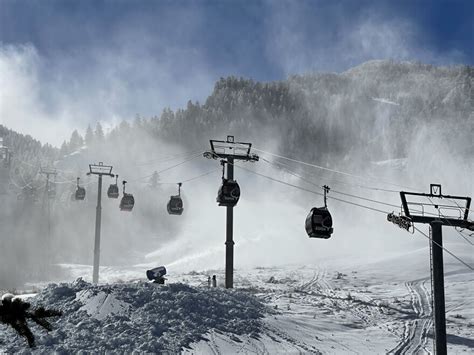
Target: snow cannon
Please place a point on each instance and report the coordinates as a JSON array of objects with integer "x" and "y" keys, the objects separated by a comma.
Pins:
[{"x": 157, "y": 274}]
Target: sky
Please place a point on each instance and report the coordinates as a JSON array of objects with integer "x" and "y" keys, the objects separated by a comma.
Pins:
[{"x": 67, "y": 64}]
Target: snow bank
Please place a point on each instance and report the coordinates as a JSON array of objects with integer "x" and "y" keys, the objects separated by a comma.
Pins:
[{"x": 140, "y": 317}]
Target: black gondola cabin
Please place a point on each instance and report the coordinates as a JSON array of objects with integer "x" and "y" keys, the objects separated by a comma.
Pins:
[
  {"x": 127, "y": 202},
  {"x": 229, "y": 193},
  {"x": 113, "y": 191},
  {"x": 175, "y": 205},
  {"x": 319, "y": 223},
  {"x": 80, "y": 194}
]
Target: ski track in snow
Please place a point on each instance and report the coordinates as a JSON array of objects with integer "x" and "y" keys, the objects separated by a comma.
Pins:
[
  {"x": 293, "y": 342},
  {"x": 416, "y": 331},
  {"x": 318, "y": 310},
  {"x": 212, "y": 344},
  {"x": 322, "y": 311}
]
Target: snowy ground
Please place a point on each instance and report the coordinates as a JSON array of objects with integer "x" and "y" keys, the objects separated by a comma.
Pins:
[
  {"x": 333, "y": 307},
  {"x": 354, "y": 309}
]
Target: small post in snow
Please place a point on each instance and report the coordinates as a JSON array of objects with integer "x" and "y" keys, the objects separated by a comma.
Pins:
[{"x": 47, "y": 204}]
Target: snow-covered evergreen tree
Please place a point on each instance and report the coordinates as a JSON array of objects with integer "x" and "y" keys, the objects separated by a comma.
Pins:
[
  {"x": 76, "y": 141},
  {"x": 99, "y": 132},
  {"x": 89, "y": 137}
]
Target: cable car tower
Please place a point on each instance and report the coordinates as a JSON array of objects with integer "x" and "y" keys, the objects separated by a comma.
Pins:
[
  {"x": 5, "y": 164},
  {"x": 5, "y": 155},
  {"x": 436, "y": 220},
  {"x": 49, "y": 193},
  {"x": 229, "y": 151},
  {"x": 100, "y": 170}
]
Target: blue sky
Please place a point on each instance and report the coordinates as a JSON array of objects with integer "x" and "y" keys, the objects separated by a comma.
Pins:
[{"x": 84, "y": 61}]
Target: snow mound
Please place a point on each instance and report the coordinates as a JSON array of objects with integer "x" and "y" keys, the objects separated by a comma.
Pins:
[
  {"x": 102, "y": 304},
  {"x": 141, "y": 317}
]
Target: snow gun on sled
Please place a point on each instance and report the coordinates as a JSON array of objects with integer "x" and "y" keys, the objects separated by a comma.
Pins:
[{"x": 157, "y": 275}]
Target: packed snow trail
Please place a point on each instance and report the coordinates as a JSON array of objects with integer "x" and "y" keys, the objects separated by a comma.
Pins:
[{"x": 416, "y": 331}]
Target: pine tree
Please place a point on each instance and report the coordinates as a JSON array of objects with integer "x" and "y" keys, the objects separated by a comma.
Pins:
[
  {"x": 124, "y": 127},
  {"x": 89, "y": 137},
  {"x": 76, "y": 141},
  {"x": 138, "y": 123},
  {"x": 99, "y": 132},
  {"x": 64, "y": 150}
]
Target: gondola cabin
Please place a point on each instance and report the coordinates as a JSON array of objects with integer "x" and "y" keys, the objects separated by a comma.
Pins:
[
  {"x": 175, "y": 205},
  {"x": 228, "y": 194},
  {"x": 113, "y": 191},
  {"x": 80, "y": 194},
  {"x": 319, "y": 223},
  {"x": 127, "y": 202}
]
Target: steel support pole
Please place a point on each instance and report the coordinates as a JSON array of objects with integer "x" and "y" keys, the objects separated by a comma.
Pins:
[
  {"x": 46, "y": 236},
  {"x": 438, "y": 288},
  {"x": 46, "y": 202},
  {"x": 49, "y": 241},
  {"x": 98, "y": 212},
  {"x": 46, "y": 248},
  {"x": 229, "y": 243}
]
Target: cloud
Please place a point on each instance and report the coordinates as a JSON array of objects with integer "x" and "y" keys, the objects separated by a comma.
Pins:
[
  {"x": 138, "y": 59},
  {"x": 301, "y": 38},
  {"x": 49, "y": 93},
  {"x": 21, "y": 104}
]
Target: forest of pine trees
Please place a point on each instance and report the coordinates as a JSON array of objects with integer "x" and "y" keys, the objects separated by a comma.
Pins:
[
  {"x": 76, "y": 141},
  {"x": 318, "y": 117}
]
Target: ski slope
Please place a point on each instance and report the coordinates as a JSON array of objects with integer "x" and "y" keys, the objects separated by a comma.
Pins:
[{"x": 335, "y": 306}]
